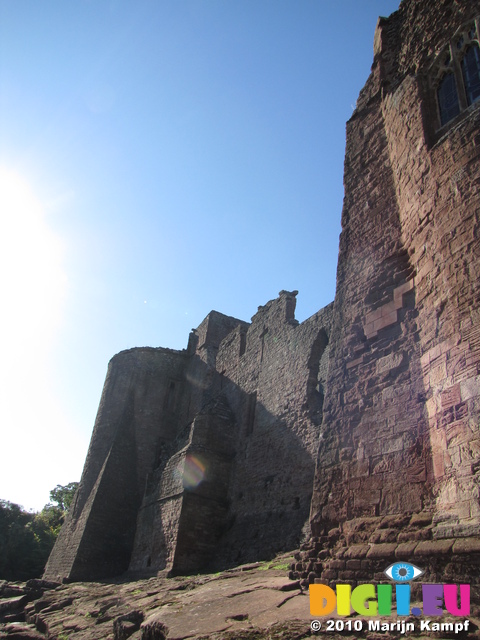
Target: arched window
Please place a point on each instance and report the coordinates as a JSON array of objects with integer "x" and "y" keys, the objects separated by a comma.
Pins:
[
  {"x": 455, "y": 74},
  {"x": 448, "y": 98},
  {"x": 471, "y": 73}
]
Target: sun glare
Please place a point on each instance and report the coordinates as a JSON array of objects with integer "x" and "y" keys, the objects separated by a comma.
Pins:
[
  {"x": 33, "y": 286},
  {"x": 33, "y": 281}
]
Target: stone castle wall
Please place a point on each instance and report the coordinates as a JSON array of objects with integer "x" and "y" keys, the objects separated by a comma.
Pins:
[
  {"x": 356, "y": 430},
  {"x": 202, "y": 458}
]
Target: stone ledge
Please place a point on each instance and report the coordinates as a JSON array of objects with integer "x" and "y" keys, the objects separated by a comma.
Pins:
[
  {"x": 433, "y": 547},
  {"x": 386, "y": 550},
  {"x": 405, "y": 550},
  {"x": 467, "y": 545},
  {"x": 355, "y": 362}
]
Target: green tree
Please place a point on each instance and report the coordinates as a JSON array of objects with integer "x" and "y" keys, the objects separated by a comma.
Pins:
[
  {"x": 63, "y": 495},
  {"x": 26, "y": 539},
  {"x": 46, "y": 526},
  {"x": 18, "y": 547}
]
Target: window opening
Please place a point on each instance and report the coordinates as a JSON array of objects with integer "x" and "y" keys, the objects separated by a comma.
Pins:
[
  {"x": 262, "y": 338},
  {"x": 455, "y": 74},
  {"x": 448, "y": 98},
  {"x": 471, "y": 73},
  {"x": 315, "y": 377},
  {"x": 243, "y": 342}
]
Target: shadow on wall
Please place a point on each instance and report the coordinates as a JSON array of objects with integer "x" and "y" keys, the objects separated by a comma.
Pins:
[{"x": 235, "y": 486}]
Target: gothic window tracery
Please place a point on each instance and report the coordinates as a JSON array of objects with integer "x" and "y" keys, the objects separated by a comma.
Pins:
[
  {"x": 447, "y": 97},
  {"x": 455, "y": 75},
  {"x": 471, "y": 73}
]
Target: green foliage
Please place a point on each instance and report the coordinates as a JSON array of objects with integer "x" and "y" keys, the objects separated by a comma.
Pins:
[
  {"x": 26, "y": 538},
  {"x": 17, "y": 542},
  {"x": 63, "y": 495}
]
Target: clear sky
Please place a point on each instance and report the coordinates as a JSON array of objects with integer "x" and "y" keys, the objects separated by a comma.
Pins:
[{"x": 158, "y": 159}]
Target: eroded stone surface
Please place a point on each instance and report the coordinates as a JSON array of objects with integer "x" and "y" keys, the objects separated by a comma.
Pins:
[
  {"x": 254, "y": 602},
  {"x": 247, "y": 599}
]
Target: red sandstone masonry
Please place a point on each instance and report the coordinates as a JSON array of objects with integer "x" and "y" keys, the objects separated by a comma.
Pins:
[{"x": 427, "y": 211}]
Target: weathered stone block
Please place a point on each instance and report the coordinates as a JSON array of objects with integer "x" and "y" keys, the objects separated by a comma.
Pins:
[
  {"x": 386, "y": 550},
  {"x": 433, "y": 548},
  {"x": 405, "y": 550},
  {"x": 356, "y": 551},
  {"x": 466, "y": 545},
  {"x": 422, "y": 519},
  {"x": 451, "y": 396}
]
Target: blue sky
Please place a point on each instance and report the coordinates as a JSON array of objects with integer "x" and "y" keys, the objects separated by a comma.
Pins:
[{"x": 158, "y": 159}]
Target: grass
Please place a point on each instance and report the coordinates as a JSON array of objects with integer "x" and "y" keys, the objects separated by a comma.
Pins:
[{"x": 275, "y": 564}]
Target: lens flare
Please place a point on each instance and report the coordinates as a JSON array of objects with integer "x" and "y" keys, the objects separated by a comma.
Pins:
[{"x": 193, "y": 472}]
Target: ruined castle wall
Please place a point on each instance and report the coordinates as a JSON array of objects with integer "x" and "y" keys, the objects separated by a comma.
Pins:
[
  {"x": 202, "y": 376},
  {"x": 205, "y": 458},
  {"x": 409, "y": 40},
  {"x": 273, "y": 376},
  {"x": 158, "y": 518},
  {"x": 165, "y": 518},
  {"x": 255, "y": 393},
  {"x": 207, "y": 473},
  {"x": 139, "y": 409},
  {"x": 400, "y": 269}
]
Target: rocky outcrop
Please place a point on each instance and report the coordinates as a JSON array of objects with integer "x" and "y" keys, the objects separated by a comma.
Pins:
[
  {"x": 242, "y": 602},
  {"x": 250, "y": 602}
]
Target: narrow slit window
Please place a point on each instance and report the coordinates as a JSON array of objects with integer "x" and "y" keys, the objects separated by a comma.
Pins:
[
  {"x": 243, "y": 343},
  {"x": 471, "y": 73},
  {"x": 448, "y": 98}
]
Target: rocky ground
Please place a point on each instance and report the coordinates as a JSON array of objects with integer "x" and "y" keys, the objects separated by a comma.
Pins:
[{"x": 253, "y": 602}]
